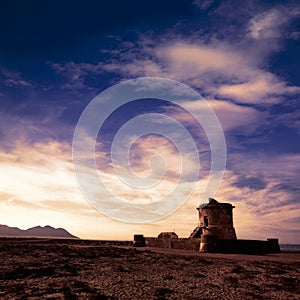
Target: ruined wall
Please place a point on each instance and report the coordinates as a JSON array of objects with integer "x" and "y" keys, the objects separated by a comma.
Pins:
[
  {"x": 247, "y": 246},
  {"x": 158, "y": 243},
  {"x": 174, "y": 243},
  {"x": 219, "y": 245},
  {"x": 186, "y": 244}
]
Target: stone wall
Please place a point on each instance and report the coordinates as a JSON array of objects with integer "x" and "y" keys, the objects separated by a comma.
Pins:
[
  {"x": 186, "y": 244},
  {"x": 247, "y": 246},
  {"x": 174, "y": 243},
  {"x": 218, "y": 246}
]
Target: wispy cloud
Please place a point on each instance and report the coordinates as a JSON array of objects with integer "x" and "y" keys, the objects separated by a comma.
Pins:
[
  {"x": 203, "y": 4},
  {"x": 13, "y": 79},
  {"x": 271, "y": 24},
  {"x": 215, "y": 68},
  {"x": 288, "y": 119},
  {"x": 45, "y": 126},
  {"x": 75, "y": 74}
]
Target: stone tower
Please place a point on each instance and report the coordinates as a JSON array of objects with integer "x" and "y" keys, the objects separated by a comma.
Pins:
[{"x": 216, "y": 223}]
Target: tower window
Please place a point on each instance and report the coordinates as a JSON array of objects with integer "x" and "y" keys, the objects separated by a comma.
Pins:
[{"x": 205, "y": 218}]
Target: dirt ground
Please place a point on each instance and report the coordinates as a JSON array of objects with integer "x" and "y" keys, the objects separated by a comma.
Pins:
[{"x": 41, "y": 269}]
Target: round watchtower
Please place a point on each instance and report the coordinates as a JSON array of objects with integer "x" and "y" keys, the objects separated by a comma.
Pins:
[{"x": 216, "y": 222}]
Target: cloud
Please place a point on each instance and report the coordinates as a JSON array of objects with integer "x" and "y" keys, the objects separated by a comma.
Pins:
[
  {"x": 288, "y": 119},
  {"x": 13, "y": 79},
  {"x": 217, "y": 69},
  {"x": 200, "y": 59},
  {"x": 35, "y": 174},
  {"x": 232, "y": 117},
  {"x": 75, "y": 73},
  {"x": 146, "y": 148},
  {"x": 252, "y": 182},
  {"x": 282, "y": 166},
  {"x": 203, "y": 4},
  {"x": 40, "y": 125},
  {"x": 271, "y": 24},
  {"x": 266, "y": 88},
  {"x": 295, "y": 35}
]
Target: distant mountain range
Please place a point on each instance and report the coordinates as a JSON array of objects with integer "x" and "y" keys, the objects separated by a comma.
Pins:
[{"x": 38, "y": 231}]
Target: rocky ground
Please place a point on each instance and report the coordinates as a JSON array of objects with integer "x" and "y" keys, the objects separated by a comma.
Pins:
[{"x": 33, "y": 269}]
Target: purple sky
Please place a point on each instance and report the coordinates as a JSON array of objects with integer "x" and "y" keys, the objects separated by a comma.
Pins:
[{"x": 55, "y": 57}]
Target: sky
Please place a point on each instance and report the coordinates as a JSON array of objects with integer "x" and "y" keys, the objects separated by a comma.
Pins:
[{"x": 57, "y": 56}]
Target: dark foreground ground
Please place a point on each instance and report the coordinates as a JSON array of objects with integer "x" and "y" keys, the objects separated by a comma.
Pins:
[{"x": 45, "y": 269}]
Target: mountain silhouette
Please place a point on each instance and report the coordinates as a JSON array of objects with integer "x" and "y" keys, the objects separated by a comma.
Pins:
[{"x": 38, "y": 231}]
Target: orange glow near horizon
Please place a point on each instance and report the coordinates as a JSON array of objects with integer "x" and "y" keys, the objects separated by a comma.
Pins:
[{"x": 38, "y": 187}]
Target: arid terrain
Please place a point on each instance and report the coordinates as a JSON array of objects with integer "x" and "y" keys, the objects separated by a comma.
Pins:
[{"x": 66, "y": 269}]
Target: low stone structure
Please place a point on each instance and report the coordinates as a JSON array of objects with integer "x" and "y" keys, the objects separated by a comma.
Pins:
[
  {"x": 172, "y": 241},
  {"x": 139, "y": 240},
  {"x": 215, "y": 233}
]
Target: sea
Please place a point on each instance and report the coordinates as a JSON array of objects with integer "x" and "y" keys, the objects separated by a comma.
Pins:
[{"x": 293, "y": 247}]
